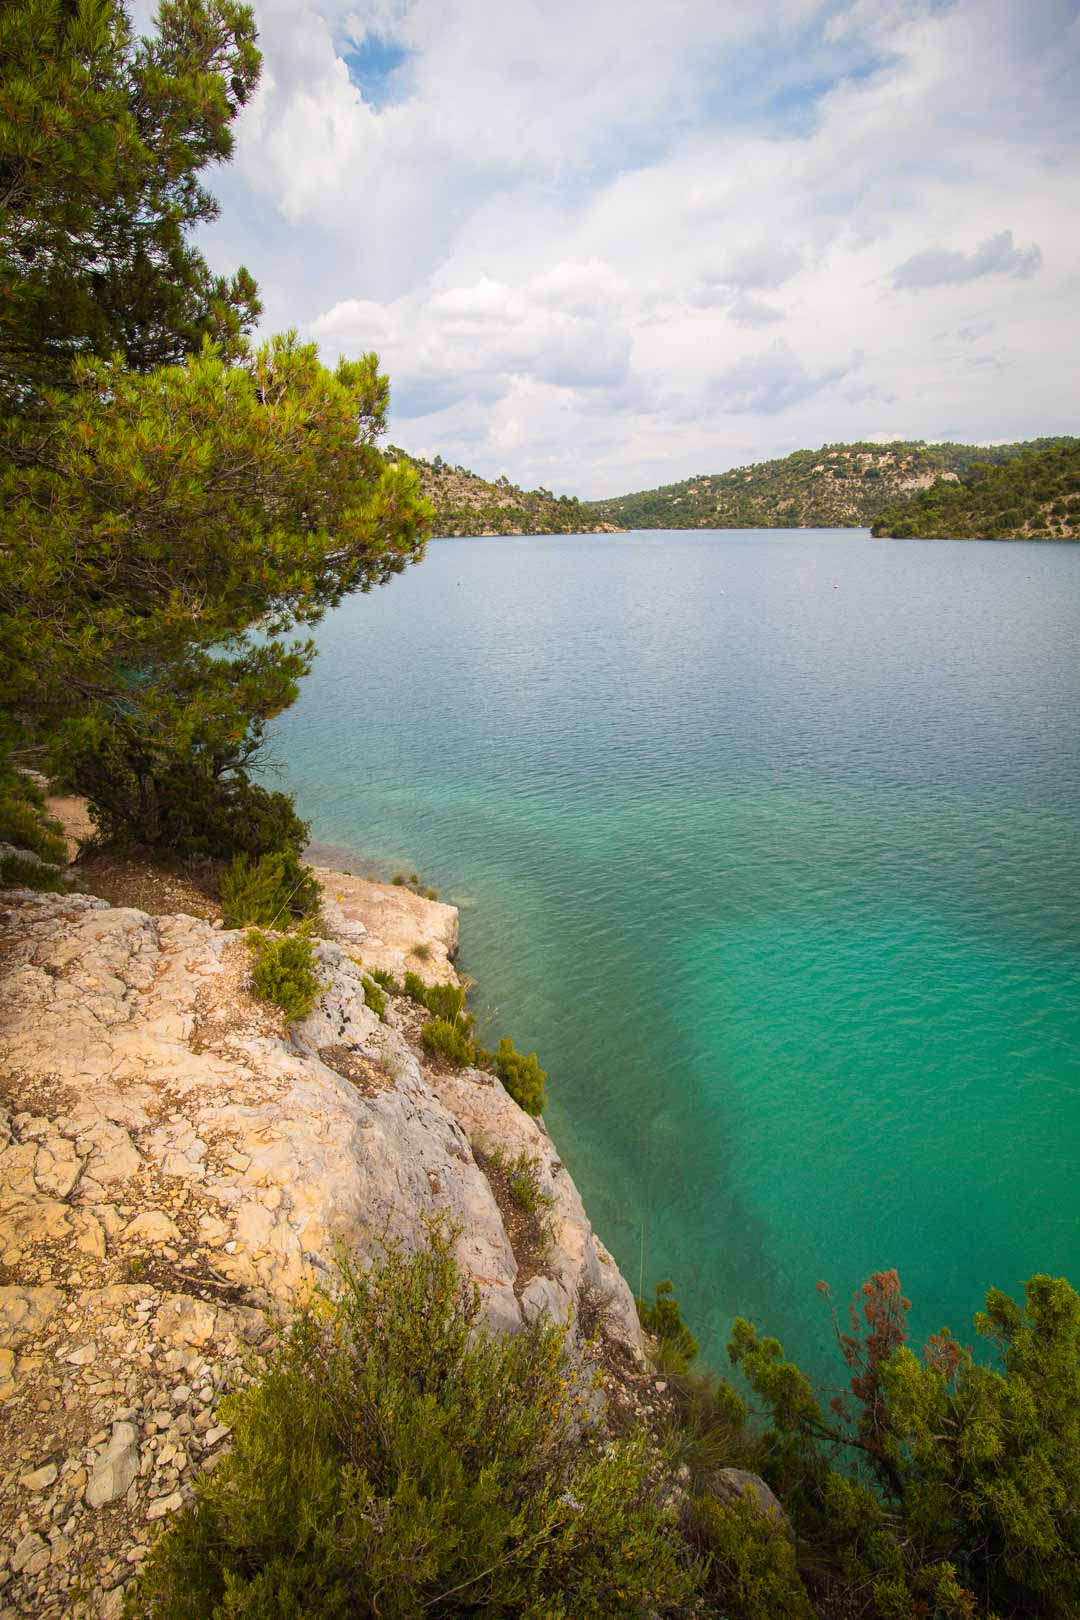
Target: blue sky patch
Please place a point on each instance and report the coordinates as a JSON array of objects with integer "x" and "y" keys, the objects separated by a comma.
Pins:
[{"x": 374, "y": 67}]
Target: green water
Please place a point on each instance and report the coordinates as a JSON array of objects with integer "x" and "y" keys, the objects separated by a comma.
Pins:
[{"x": 768, "y": 844}]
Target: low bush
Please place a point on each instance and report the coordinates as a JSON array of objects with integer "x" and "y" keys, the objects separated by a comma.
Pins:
[
  {"x": 752, "y": 1569},
  {"x": 415, "y": 988},
  {"x": 664, "y": 1321},
  {"x": 268, "y": 891},
  {"x": 179, "y": 803},
  {"x": 284, "y": 972},
  {"x": 18, "y": 873},
  {"x": 521, "y": 1075},
  {"x": 446, "y": 1001},
  {"x": 449, "y": 1040},
  {"x": 386, "y": 981},
  {"x": 939, "y": 1485},
  {"x": 708, "y": 1426},
  {"x": 413, "y": 882},
  {"x": 518, "y": 1181},
  {"x": 523, "y": 1180},
  {"x": 374, "y": 995},
  {"x": 393, "y": 1460},
  {"x": 23, "y": 819}
]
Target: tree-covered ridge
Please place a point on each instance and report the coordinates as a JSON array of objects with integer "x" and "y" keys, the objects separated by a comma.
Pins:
[
  {"x": 466, "y": 504},
  {"x": 838, "y": 486},
  {"x": 1035, "y": 496}
]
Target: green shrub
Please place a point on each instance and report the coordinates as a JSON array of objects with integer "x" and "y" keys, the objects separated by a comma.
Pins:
[
  {"x": 450, "y": 1041},
  {"x": 446, "y": 1001},
  {"x": 374, "y": 996},
  {"x": 664, "y": 1320},
  {"x": 441, "y": 1000},
  {"x": 961, "y": 1478},
  {"x": 523, "y": 1180},
  {"x": 23, "y": 820},
  {"x": 17, "y": 873},
  {"x": 415, "y": 988},
  {"x": 393, "y": 1460},
  {"x": 422, "y": 952},
  {"x": 177, "y": 804},
  {"x": 752, "y": 1571},
  {"x": 386, "y": 981},
  {"x": 708, "y": 1426},
  {"x": 268, "y": 892},
  {"x": 284, "y": 972},
  {"x": 522, "y": 1076}
]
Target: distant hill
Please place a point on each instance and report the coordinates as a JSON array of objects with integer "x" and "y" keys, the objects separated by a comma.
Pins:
[
  {"x": 467, "y": 504},
  {"x": 838, "y": 486},
  {"x": 1034, "y": 496}
]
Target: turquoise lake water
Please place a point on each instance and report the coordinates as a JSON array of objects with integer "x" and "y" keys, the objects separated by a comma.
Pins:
[{"x": 769, "y": 844}]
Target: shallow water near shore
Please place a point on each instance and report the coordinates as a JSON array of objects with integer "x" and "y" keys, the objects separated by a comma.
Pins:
[{"x": 768, "y": 842}]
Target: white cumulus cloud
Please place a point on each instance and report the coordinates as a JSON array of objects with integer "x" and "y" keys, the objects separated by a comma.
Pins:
[{"x": 570, "y": 229}]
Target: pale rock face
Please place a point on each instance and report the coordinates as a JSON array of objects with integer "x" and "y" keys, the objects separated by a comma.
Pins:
[
  {"x": 118, "y": 1467},
  {"x": 384, "y": 923},
  {"x": 178, "y": 1169}
]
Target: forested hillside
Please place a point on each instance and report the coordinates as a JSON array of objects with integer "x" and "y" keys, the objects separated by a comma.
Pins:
[
  {"x": 838, "y": 486},
  {"x": 465, "y": 503},
  {"x": 1030, "y": 497}
]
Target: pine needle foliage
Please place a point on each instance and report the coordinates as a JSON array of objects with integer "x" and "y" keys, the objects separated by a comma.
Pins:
[
  {"x": 940, "y": 1485},
  {"x": 167, "y": 490},
  {"x": 103, "y": 138},
  {"x": 284, "y": 972},
  {"x": 663, "y": 1319},
  {"x": 19, "y": 872},
  {"x": 23, "y": 818},
  {"x": 374, "y": 996},
  {"x": 393, "y": 1460},
  {"x": 450, "y": 1040},
  {"x": 268, "y": 892},
  {"x": 522, "y": 1076},
  {"x": 752, "y": 1568}
]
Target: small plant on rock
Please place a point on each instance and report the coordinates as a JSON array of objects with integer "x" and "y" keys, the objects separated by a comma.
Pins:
[
  {"x": 284, "y": 972},
  {"x": 23, "y": 820},
  {"x": 446, "y": 1001},
  {"x": 415, "y": 988},
  {"x": 664, "y": 1320},
  {"x": 268, "y": 892},
  {"x": 523, "y": 1180},
  {"x": 522, "y": 1076},
  {"x": 450, "y": 1040},
  {"x": 16, "y": 872},
  {"x": 374, "y": 996}
]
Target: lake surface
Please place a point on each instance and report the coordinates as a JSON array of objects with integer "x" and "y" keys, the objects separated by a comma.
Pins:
[{"x": 769, "y": 844}]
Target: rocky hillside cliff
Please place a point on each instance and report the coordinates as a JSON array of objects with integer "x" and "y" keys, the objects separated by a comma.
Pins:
[
  {"x": 838, "y": 486},
  {"x": 177, "y": 1167},
  {"x": 1029, "y": 497},
  {"x": 465, "y": 503}
]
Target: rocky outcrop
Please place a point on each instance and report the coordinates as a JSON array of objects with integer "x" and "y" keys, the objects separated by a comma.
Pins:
[
  {"x": 177, "y": 1168},
  {"x": 391, "y": 927}
]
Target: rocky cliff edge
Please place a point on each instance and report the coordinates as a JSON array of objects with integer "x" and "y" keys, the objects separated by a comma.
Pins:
[{"x": 177, "y": 1168}]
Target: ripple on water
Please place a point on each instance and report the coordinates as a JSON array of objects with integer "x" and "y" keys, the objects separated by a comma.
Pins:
[{"x": 781, "y": 881}]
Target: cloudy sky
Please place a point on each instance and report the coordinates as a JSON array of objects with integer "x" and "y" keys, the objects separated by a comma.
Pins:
[{"x": 605, "y": 244}]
